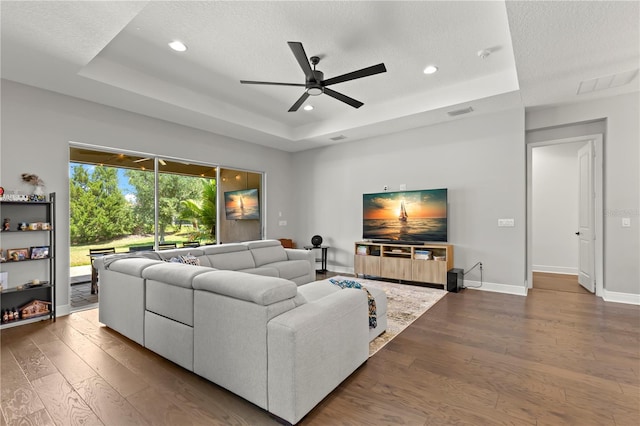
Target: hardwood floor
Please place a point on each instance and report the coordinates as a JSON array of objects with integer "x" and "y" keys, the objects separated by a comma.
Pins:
[
  {"x": 475, "y": 358},
  {"x": 559, "y": 282}
]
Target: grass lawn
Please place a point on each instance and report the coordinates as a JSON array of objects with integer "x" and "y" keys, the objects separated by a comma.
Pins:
[{"x": 79, "y": 255}]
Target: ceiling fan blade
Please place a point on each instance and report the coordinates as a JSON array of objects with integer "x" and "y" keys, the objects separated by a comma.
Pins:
[
  {"x": 271, "y": 83},
  {"x": 301, "y": 56},
  {"x": 299, "y": 102},
  {"x": 344, "y": 98},
  {"x": 364, "y": 72}
]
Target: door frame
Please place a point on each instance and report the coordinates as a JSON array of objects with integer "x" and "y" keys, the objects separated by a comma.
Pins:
[{"x": 598, "y": 174}]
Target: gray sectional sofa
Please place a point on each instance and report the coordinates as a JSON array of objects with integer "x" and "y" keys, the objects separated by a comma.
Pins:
[{"x": 261, "y": 329}]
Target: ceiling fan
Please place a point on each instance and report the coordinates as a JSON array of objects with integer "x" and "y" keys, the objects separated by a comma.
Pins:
[{"x": 315, "y": 84}]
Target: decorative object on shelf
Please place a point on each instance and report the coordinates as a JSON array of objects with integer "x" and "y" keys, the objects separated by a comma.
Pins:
[
  {"x": 15, "y": 255},
  {"x": 4, "y": 280},
  {"x": 40, "y": 252},
  {"x": 1, "y": 191},
  {"x": 35, "y": 283},
  {"x": 34, "y": 308},
  {"x": 362, "y": 250},
  {"x": 6, "y": 224},
  {"x": 316, "y": 240},
  {"x": 35, "y": 181},
  {"x": 22, "y": 226},
  {"x": 17, "y": 196}
]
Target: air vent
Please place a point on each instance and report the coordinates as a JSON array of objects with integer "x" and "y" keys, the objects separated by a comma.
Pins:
[
  {"x": 606, "y": 82},
  {"x": 460, "y": 111},
  {"x": 338, "y": 138}
]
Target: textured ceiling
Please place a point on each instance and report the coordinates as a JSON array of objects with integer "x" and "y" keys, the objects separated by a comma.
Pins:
[{"x": 116, "y": 53}]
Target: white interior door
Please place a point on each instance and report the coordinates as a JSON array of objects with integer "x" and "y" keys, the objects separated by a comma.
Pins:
[{"x": 586, "y": 234}]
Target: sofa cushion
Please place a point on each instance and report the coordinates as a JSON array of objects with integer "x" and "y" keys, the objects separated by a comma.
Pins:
[
  {"x": 224, "y": 248},
  {"x": 177, "y": 274},
  {"x": 261, "y": 290},
  {"x": 229, "y": 261},
  {"x": 290, "y": 269},
  {"x": 133, "y": 266},
  {"x": 317, "y": 290},
  {"x": 267, "y": 255},
  {"x": 261, "y": 243},
  {"x": 264, "y": 271},
  {"x": 168, "y": 254}
]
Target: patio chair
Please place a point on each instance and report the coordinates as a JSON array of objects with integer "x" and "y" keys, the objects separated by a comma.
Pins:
[
  {"x": 93, "y": 253},
  {"x": 167, "y": 246}
]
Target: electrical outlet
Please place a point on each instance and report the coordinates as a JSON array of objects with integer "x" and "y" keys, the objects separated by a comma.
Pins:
[
  {"x": 626, "y": 222},
  {"x": 506, "y": 223},
  {"x": 385, "y": 188},
  {"x": 282, "y": 223}
]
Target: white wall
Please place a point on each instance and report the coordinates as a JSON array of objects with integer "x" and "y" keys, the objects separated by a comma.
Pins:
[
  {"x": 37, "y": 126},
  {"x": 555, "y": 208},
  {"x": 480, "y": 159},
  {"x": 621, "y": 180}
]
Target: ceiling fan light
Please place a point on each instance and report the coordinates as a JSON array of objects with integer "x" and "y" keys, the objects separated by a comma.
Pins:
[
  {"x": 308, "y": 107},
  {"x": 314, "y": 91}
]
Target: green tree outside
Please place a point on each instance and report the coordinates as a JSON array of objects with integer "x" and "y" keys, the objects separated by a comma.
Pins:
[
  {"x": 202, "y": 211},
  {"x": 173, "y": 190},
  {"x": 99, "y": 210}
]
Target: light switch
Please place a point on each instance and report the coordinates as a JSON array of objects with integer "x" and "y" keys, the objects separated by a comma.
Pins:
[
  {"x": 626, "y": 222},
  {"x": 506, "y": 223},
  {"x": 282, "y": 223}
]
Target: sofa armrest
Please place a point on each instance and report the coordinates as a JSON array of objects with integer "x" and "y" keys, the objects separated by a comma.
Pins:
[
  {"x": 313, "y": 348},
  {"x": 298, "y": 254}
]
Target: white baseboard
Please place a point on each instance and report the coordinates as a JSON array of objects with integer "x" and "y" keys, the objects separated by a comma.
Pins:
[
  {"x": 63, "y": 310},
  {"x": 614, "y": 296},
  {"x": 555, "y": 269},
  {"x": 496, "y": 288}
]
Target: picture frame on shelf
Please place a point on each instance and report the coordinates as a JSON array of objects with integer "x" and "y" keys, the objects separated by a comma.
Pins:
[
  {"x": 40, "y": 252},
  {"x": 4, "y": 280},
  {"x": 17, "y": 254}
]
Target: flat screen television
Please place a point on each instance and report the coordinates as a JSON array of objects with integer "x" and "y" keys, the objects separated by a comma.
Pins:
[
  {"x": 243, "y": 204},
  {"x": 405, "y": 216}
]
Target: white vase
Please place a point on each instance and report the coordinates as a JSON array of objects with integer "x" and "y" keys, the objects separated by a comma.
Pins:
[{"x": 38, "y": 190}]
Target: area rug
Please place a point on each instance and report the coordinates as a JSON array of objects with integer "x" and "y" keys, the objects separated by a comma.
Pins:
[{"x": 405, "y": 304}]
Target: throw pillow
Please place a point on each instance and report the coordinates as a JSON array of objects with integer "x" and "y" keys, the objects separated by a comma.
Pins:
[{"x": 189, "y": 259}]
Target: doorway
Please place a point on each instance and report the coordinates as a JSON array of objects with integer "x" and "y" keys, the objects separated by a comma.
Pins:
[{"x": 555, "y": 233}]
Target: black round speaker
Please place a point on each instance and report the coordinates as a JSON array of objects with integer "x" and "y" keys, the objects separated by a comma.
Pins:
[{"x": 316, "y": 240}]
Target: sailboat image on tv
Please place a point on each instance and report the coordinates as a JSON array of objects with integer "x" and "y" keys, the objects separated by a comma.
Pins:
[
  {"x": 385, "y": 216},
  {"x": 403, "y": 212}
]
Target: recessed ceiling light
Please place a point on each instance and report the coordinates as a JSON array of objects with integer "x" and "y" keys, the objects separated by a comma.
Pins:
[
  {"x": 308, "y": 107},
  {"x": 178, "y": 46},
  {"x": 430, "y": 69}
]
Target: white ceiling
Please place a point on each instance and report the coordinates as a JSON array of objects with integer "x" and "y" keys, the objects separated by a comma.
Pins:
[{"x": 116, "y": 53}]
